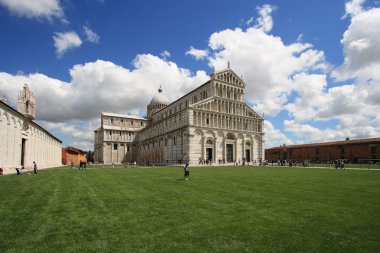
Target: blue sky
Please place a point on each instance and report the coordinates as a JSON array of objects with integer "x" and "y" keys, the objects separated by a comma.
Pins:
[{"x": 310, "y": 66}]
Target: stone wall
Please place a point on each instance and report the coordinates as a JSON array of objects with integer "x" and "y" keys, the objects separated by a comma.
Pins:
[{"x": 15, "y": 133}]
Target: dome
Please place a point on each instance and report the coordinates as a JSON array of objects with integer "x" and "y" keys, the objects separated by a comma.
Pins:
[{"x": 159, "y": 99}]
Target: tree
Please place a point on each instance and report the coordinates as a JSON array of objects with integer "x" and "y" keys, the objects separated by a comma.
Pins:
[{"x": 90, "y": 156}]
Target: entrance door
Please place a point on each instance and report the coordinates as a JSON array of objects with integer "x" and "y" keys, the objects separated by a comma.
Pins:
[
  {"x": 23, "y": 152},
  {"x": 230, "y": 153},
  {"x": 209, "y": 154},
  {"x": 248, "y": 155}
]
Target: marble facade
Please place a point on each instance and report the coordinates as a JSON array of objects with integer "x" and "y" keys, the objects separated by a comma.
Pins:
[
  {"x": 23, "y": 140},
  {"x": 212, "y": 122}
]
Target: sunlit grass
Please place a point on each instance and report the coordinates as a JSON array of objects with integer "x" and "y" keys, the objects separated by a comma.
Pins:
[{"x": 220, "y": 209}]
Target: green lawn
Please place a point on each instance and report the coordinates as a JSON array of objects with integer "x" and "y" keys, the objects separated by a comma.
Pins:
[
  {"x": 220, "y": 209},
  {"x": 347, "y": 165}
]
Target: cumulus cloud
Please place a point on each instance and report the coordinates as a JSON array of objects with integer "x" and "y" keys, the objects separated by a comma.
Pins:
[
  {"x": 197, "y": 53},
  {"x": 311, "y": 96},
  {"x": 293, "y": 77},
  {"x": 353, "y": 8},
  {"x": 357, "y": 105},
  {"x": 288, "y": 78},
  {"x": 80, "y": 133},
  {"x": 360, "y": 45},
  {"x": 310, "y": 134},
  {"x": 276, "y": 136},
  {"x": 48, "y": 9},
  {"x": 100, "y": 86},
  {"x": 91, "y": 36},
  {"x": 66, "y": 41},
  {"x": 266, "y": 63}
]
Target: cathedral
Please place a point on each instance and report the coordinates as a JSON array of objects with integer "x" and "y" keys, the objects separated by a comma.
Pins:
[
  {"x": 23, "y": 140},
  {"x": 210, "y": 123}
]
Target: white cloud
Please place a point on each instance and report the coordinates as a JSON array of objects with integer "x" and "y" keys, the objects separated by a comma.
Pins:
[
  {"x": 165, "y": 54},
  {"x": 266, "y": 63},
  {"x": 274, "y": 136},
  {"x": 310, "y": 134},
  {"x": 265, "y": 21},
  {"x": 311, "y": 94},
  {"x": 197, "y": 53},
  {"x": 100, "y": 86},
  {"x": 35, "y": 8},
  {"x": 360, "y": 44},
  {"x": 66, "y": 41},
  {"x": 353, "y": 8},
  {"x": 91, "y": 36},
  {"x": 250, "y": 21},
  {"x": 280, "y": 77},
  {"x": 293, "y": 78},
  {"x": 81, "y": 133}
]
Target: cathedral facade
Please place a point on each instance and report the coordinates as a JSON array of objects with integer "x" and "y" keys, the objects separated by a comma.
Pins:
[
  {"x": 210, "y": 123},
  {"x": 23, "y": 140}
]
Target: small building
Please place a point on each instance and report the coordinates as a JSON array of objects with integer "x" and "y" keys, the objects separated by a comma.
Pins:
[
  {"x": 360, "y": 150},
  {"x": 71, "y": 155}
]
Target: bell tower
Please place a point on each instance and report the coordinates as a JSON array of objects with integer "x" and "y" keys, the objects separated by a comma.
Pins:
[{"x": 26, "y": 103}]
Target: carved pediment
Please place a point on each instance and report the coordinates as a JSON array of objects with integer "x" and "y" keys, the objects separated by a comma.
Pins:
[
  {"x": 228, "y": 76},
  {"x": 205, "y": 105}
]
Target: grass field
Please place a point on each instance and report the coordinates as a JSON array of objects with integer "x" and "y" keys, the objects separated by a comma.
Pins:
[{"x": 220, "y": 209}]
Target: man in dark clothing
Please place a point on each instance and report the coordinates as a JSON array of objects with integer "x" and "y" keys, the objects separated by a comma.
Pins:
[
  {"x": 186, "y": 172},
  {"x": 35, "y": 167}
]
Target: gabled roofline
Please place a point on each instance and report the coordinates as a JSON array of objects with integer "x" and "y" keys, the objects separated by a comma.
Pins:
[
  {"x": 222, "y": 98},
  {"x": 227, "y": 69},
  {"x": 31, "y": 122},
  {"x": 183, "y": 96},
  {"x": 117, "y": 115}
]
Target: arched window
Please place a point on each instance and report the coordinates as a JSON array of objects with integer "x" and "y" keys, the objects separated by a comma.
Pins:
[
  {"x": 230, "y": 136},
  {"x": 209, "y": 141}
]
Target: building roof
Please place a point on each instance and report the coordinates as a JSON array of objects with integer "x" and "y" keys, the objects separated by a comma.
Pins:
[
  {"x": 74, "y": 149},
  {"x": 123, "y": 116},
  {"x": 31, "y": 122},
  {"x": 331, "y": 143},
  {"x": 119, "y": 128},
  {"x": 159, "y": 98},
  {"x": 202, "y": 85}
]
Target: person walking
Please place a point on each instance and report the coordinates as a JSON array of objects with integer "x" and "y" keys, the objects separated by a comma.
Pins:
[
  {"x": 35, "y": 167},
  {"x": 186, "y": 172}
]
